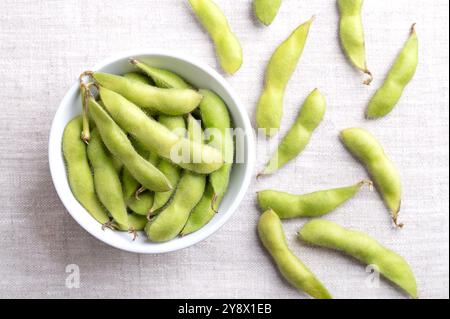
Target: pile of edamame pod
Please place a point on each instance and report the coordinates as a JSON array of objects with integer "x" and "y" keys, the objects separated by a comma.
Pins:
[
  {"x": 119, "y": 152},
  {"x": 121, "y": 170},
  {"x": 361, "y": 143}
]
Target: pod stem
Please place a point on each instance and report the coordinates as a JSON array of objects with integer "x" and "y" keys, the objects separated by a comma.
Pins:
[
  {"x": 133, "y": 232},
  {"x": 139, "y": 191},
  {"x": 370, "y": 77},
  {"x": 109, "y": 225},
  {"x": 213, "y": 203},
  {"x": 85, "y": 133},
  {"x": 367, "y": 182}
]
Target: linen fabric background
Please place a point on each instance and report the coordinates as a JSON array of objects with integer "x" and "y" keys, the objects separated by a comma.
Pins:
[{"x": 45, "y": 44}]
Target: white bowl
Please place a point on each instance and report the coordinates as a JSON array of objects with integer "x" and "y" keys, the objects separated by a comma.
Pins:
[{"x": 199, "y": 75}]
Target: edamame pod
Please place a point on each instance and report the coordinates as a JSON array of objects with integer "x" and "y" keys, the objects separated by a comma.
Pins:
[
  {"x": 107, "y": 181},
  {"x": 307, "y": 205},
  {"x": 364, "y": 248},
  {"x": 177, "y": 125},
  {"x": 162, "y": 78},
  {"x": 227, "y": 45},
  {"x": 401, "y": 73},
  {"x": 296, "y": 139},
  {"x": 79, "y": 173},
  {"x": 351, "y": 34},
  {"x": 170, "y": 221},
  {"x": 120, "y": 146},
  {"x": 137, "y": 222},
  {"x": 368, "y": 150},
  {"x": 142, "y": 204},
  {"x": 157, "y": 138},
  {"x": 154, "y": 99},
  {"x": 271, "y": 233},
  {"x": 266, "y": 10},
  {"x": 281, "y": 66},
  {"x": 138, "y": 77},
  {"x": 203, "y": 212},
  {"x": 216, "y": 119}
]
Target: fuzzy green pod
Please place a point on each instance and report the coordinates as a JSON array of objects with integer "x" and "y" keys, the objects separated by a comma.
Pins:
[
  {"x": 177, "y": 125},
  {"x": 138, "y": 77},
  {"x": 281, "y": 66},
  {"x": 227, "y": 45},
  {"x": 170, "y": 221},
  {"x": 364, "y": 146},
  {"x": 362, "y": 247},
  {"x": 120, "y": 146},
  {"x": 296, "y": 139},
  {"x": 79, "y": 173},
  {"x": 151, "y": 98},
  {"x": 400, "y": 74},
  {"x": 157, "y": 138},
  {"x": 271, "y": 234},
  {"x": 137, "y": 222},
  {"x": 107, "y": 181},
  {"x": 216, "y": 119},
  {"x": 307, "y": 205},
  {"x": 203, "y": 212},
  {"x": 351, "y": 34},
  {"x": 266, "y": 10},
  {"x": 142, "y": 204},
  {"x": 162, "y": 78}
]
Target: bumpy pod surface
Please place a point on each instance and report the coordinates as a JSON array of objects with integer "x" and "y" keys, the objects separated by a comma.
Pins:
[
  {"x": 306, "y": 205},
  {"x": 296, "y": 139},
  {"x": 162, "y": 78},
  {"x": 157, "y": 138},
  {"x": 401, "y": 73},
  {"x": 279, "y": 70},
  {"x": 227, "y": 45},
  {"x": 154, "y": 99},
  {"x": 271, "y": 234},
  {"x": 107, "y": 181},
  {"x": 120, "y": 146},
  {"x": 351, "y": 34},
  {"x": 364, "y": 248},
  {"x": 79, "y": 174},
  {"x": 363, "y": 145},
  {"x": 170, "y": 221}
]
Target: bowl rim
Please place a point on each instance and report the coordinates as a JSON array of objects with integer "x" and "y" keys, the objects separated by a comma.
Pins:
[{"x": 183, "y": 242}]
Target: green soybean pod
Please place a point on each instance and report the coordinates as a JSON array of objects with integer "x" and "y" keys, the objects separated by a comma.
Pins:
[
  {"x": 137, "y": 222},
  {"x": 107, "y": 181},
  {"x": 362, "y": 247},
  {"x": 154, "y": 99},
  {"x": 177, "y": 125},
  {"x": 281, "y": 66},
  {"x": 216, "y": 119},
  {"x": 227, "y": 45},
  {"x": 129, "y": 184},
  {"x": 118, "y": 165},
  {"x": 138, "y": 77},
  {"x": 156, "y": 137},
  {"x": 120, "y": 146},
  {"x": 296, "y": 139},
  {"x": 351, "y": 34},
  {"x": 307, "y": 205},
  {"x": 162, "y": 78},
  {"x": 266, "y": 10},
  {"x": 79, "y": 173},
  {"x": 271, "y": 234},
  {"x": 368, "y": 150},
  {"x": 195, "y": 130},
  {"x": 142, "y": 204},
  {"x": 203, "y": 212},
  {"x": 400, "y": 74},
  {"x": 170, "y": 221}
]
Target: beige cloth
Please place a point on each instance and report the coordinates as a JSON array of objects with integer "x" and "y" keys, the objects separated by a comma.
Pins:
[{"x": 45, "y": 44}]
